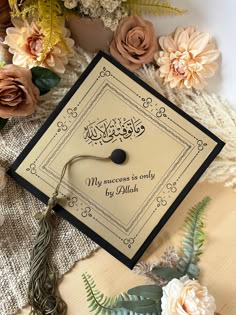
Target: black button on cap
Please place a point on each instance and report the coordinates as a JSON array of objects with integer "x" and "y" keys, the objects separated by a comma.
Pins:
[{"x": 118, "y": 156}]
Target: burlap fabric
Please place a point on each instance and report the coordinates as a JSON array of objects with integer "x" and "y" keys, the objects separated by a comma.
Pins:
[{"x": 18, "y": 206}]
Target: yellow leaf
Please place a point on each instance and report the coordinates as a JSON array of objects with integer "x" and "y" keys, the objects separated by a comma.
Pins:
[
  {"x": 152, "y": 7},
  {"x": 51, "y": 20}
]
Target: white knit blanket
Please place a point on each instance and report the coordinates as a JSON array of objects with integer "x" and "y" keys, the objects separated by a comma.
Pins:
[{"x": 69, "y": 245}]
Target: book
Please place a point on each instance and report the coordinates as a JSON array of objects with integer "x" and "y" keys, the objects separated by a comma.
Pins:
[{"x": 122, "y": 207}]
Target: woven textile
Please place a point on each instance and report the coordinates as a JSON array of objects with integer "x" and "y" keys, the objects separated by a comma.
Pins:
[{"x": 18, "y": 206}]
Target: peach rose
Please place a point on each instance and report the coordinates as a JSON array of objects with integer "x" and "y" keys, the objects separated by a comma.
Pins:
[
  {"x": 186, "y": 297},
  {"x": 134, "y": 42},
  {"x": 18, "y": 94}
]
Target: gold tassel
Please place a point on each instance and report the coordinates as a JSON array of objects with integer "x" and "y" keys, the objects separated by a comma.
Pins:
[{"x": 43, "y": 295}]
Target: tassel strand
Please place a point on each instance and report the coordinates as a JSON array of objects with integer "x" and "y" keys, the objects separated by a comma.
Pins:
[{"x": 42, "y": 290}]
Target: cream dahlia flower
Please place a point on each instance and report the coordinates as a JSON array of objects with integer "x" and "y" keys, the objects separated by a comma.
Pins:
[
  {"x": 25, "y": 41},
  {"x": 186, "y": 59},
  {"x": 186, "y": 297}
]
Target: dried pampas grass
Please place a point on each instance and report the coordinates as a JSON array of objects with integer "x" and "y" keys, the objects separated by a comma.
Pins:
[{"x": 213, "y": 113}]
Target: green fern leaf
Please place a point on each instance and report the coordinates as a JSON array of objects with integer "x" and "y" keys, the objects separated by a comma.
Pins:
[
  {"x": 152, "y": 7},
  {"x": 146, "y": 306},
  {"x": 98, "y": 303},
  {"x": 150, "y": 291},
  {"x": 166, "y": 273},
  {"x": 123, "y": 304},
  {"x": 127, "y": 304},
  {"x": 193, "y": 240}
]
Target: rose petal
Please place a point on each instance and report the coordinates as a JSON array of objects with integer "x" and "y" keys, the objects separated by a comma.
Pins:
[
  {"x": 135, "y": 37},
  {"x": 18, "y": 95},
  {"x": 134, "y": 42}
]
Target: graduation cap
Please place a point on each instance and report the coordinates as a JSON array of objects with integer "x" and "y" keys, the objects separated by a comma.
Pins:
[{"x": 115, "y": 159}]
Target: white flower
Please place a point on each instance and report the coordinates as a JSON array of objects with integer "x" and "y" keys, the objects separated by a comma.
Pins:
[
  {"x": 2, "y": 179},
  {"x": 109, "y": 11},
  {"x": 90, "y": 4},
  {"x": 186, "y": 297},
  {"x": 109, "y": 5},
  {"x": 70, "y": 4}
]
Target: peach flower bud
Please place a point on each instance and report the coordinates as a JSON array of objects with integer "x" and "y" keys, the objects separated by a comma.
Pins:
[
  {"x": 134, "y": 42},
  {"x": 185, "y": 296},
  {"x": 18, "y": 94}
]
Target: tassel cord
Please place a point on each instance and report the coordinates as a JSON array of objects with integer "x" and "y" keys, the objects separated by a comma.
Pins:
[{"x": 42, "y": 289}]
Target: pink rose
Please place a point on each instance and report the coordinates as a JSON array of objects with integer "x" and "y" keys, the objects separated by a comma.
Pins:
[
  {"x": 18, "y": 94},
  {"x": 134, "y": 42}
]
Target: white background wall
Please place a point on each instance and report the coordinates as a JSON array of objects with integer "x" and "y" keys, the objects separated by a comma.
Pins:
[{"x": 218, "y": 18}]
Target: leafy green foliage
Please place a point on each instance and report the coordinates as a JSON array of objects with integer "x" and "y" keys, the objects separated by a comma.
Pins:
[
  {"x": 146, "y": 299},
  {"x": 3, "y": 122},
  {"x": 124, "y": 297},
  {"x": 97, "y": 301},
  {"x": 44, "y": 79},
  {"x": 150, "y": 291},
  {"x": 193, "y": 240},
  {"x": 141, "y": 306},
  {"x": 167, "y": 273},
  {"x": 123, "y": 304},
  {"x": 153, "y": 7}
]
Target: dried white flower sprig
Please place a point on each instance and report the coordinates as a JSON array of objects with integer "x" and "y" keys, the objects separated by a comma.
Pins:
[
  {"x": 169, "y": 258},
  {"x": 212, "y": 112},
  {"x": 110, "y": 12}
]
